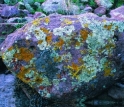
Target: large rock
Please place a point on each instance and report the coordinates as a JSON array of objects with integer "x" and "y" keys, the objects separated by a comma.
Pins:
[{"x": 66, "y": 56}]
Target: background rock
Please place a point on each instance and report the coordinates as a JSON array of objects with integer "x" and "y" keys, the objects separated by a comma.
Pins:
[
  {"x": 50, "y": 6},
  {"x": 118, "y": 13},
  {"x": 9, "y": 11}
]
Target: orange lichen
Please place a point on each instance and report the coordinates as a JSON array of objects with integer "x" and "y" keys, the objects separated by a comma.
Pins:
[
  {"x": 84, "y": 34},
  {"x": 21, "y": 74},
  {"x": 80, "y": 60},
  {"x": 108, "y": 27},
  {"x": 49, "y": 38},
  {"x": 77, "y": 43},
  {"x": 37, "y": 32},
  {"x": 40, "y": 41},
  {"x": 60, "y": 43},
  {"x": 11, "y": 48},
  {"x": 24, "y": 54},
  {"x": 44, "y": 30}
]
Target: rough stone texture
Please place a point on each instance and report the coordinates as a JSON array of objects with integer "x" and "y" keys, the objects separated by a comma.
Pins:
[
  {"x": 104, "y": 3},
  {"x": 66, "y": 56},
  {"x": 7, "y": 98},
  {"x": 54, "y": 6},
  {"x": 9, "y": 11},
  {"x": 118, "y": 13}
]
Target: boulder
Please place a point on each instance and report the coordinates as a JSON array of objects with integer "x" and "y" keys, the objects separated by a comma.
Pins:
[{"x": 66, "y": 57}]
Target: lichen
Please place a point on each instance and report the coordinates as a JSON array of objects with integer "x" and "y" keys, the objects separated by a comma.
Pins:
[{"x": 24, "y": 54}]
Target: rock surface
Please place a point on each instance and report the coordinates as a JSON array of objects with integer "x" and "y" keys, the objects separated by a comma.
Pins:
[{"x": 66, "y": 56}]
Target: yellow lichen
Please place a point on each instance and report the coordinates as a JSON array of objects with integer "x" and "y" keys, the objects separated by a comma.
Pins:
[
  {"x": 36, "y": 22},
  {"x": 86, "y": 25},
  {"x": 24, "y": 54},
  {"x": 75, "y": 68},
  {"x": 47, "y": 20},
  {"x": 67, "y": 21}
]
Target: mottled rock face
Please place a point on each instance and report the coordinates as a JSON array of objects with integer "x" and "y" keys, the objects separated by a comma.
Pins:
[{"x": 59, "y": 55}]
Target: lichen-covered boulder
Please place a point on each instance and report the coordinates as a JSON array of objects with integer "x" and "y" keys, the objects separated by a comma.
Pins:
[{"x": 65, "y": 56}]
